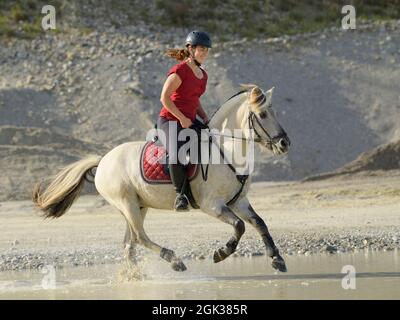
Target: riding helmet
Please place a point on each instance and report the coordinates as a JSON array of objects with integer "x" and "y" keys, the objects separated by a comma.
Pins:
[{"x": 200, "y": 38}]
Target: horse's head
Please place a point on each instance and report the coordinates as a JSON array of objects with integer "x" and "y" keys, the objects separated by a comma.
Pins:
[{"x": 262, "y": 119}]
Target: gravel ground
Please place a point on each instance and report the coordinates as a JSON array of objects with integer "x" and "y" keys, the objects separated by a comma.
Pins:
[
  {"x": 294, "y": 243},
  {"x": 334, "y": 216}
]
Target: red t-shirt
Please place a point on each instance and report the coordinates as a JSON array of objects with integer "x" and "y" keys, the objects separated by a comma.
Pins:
[{"x": 186, "y": 97}]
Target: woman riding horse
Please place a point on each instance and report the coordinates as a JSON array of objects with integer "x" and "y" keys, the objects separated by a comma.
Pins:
[
  {"x": 180, "y": 95},
  {"x": 221, "y": 193}
]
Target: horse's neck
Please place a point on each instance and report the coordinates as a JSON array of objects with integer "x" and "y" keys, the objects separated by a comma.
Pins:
[
  {"x": 229, "y": 116},
  {"x": 230, "y": 121}
]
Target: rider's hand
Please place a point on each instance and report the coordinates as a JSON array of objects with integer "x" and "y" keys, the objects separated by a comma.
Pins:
[
  {"x": 185, "y": 122},
  {"x": 206, "y": 120}
]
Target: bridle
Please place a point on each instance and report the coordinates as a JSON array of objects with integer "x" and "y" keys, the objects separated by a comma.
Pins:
[
  {"x": 259, "y": 138},
  {"x": 250, "y": 120},
  {"x": 241, "y": 178}
]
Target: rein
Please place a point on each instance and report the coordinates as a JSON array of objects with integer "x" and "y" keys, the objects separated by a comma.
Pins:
[
  {"x": 241, "y": 178},
  {"x": 250, "y": 121},
  {"x": 251, "y": 118}
]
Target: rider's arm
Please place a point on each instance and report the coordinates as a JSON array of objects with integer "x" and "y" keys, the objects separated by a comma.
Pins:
[
  {"x": 202, "y": 113},
  {"x": 171, "y": 84}
]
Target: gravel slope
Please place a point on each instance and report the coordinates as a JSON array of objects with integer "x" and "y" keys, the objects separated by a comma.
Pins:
[{"x": 336, "y": 92}]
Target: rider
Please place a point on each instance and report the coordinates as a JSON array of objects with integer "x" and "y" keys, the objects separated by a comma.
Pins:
[{"x": 184, "y": 85}]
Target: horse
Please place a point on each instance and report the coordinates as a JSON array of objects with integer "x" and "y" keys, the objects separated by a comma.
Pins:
[{"x": 222, "y": 194}]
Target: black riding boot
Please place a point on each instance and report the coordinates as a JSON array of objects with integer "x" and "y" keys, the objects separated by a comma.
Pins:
[{"x": 178, "y": 176}]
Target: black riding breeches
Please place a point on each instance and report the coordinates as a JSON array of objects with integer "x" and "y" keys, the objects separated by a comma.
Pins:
[{"x": 173, "y": 141}]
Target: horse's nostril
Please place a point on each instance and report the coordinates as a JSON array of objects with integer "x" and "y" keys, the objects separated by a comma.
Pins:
[{"x": 283, "y": 143}]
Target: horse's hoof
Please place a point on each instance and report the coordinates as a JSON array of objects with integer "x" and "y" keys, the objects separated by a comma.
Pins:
[
  {"x": 178, "y": 266},
  {"x": 219, "y": 255},
  {"x": 279, "y": 264}
]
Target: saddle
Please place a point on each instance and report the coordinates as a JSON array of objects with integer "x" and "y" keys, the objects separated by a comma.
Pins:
[{"x": 154, "y": 166}]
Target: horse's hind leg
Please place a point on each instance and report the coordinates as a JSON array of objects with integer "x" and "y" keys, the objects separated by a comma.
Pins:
[
  {"x": 130, "y": 239},
  {"x": 131, "y": 270},
  {"x": 225, "y": 214},
  {"x": 130, "y": 209}
]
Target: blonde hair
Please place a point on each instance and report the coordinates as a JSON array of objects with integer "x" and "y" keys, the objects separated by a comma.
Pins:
[{"x": 178, "y": 54}]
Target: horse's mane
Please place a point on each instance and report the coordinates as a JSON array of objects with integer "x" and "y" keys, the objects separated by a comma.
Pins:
[{"x": 245, "y": 87}]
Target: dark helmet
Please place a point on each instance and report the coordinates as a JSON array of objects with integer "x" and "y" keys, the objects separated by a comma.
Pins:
[{"x": 200, "y": 38}]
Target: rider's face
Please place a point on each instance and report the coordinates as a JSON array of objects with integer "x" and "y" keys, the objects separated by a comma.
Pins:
[{"x": 200, "y": 53}]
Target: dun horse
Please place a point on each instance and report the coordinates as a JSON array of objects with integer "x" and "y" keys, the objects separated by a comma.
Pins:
[{"x": 222, "y": 195}]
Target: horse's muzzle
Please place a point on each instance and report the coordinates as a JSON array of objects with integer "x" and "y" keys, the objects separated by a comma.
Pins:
[{"x": 281, "y": 144}]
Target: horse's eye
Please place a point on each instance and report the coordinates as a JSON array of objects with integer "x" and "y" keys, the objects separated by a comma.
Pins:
[{"x": 263, "y": 114}]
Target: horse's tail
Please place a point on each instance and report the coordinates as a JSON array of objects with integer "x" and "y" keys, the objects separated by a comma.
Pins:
[{"x": 65, "y": 188}]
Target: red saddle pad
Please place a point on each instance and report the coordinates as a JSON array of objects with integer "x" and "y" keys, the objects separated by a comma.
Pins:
[{"x": 152, "y": 168}]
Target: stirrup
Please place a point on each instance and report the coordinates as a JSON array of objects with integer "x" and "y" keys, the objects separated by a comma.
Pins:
[{"x": 181, "y": 203}]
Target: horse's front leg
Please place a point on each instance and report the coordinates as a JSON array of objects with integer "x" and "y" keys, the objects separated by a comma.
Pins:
[
  {"x": 225, "y": 214},
  {"x": 245, "y": 211}
]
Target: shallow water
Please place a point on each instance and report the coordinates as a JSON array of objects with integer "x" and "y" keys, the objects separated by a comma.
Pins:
[{"x": 308, "y": 277}]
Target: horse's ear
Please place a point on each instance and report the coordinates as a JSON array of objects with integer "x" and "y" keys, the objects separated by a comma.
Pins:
[
  {"x": 255, "y": 93},
  {"x": 270, "y": 91}
]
